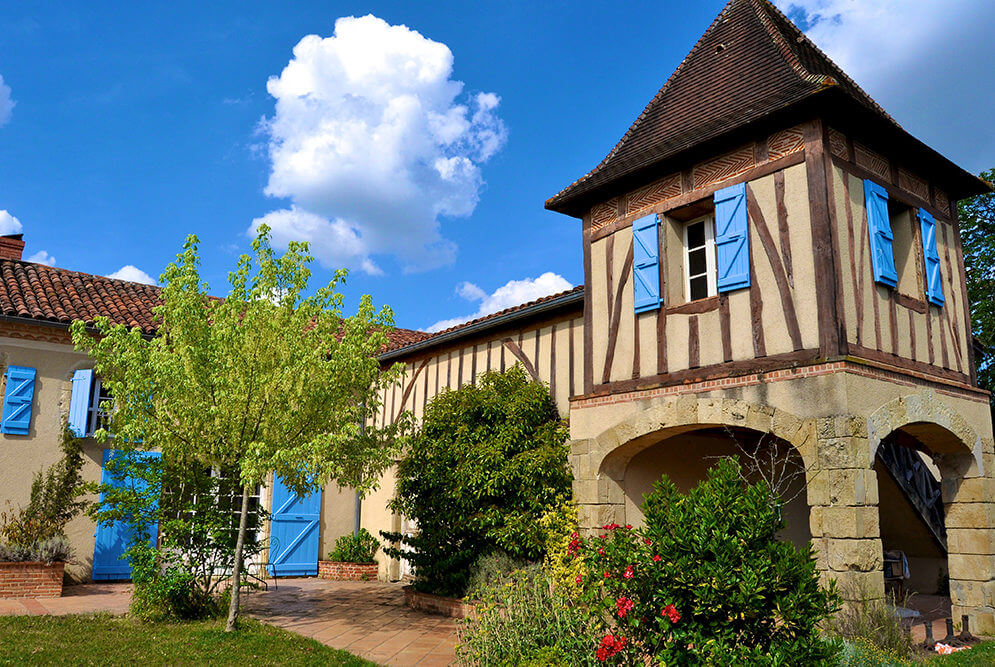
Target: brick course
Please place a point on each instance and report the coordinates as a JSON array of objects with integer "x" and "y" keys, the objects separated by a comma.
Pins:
[
  {"x": 336, "y": 571},
  {"x": 31, "y": 580},
  {"x": 437, "y": 604}
]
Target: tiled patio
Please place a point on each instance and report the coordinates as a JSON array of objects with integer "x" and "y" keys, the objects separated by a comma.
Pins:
[
  {"x": 81, "y": 599},
  {"x": 368, "y": 619}
]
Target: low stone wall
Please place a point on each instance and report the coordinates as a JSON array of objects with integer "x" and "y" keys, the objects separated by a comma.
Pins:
[
  {"x": 437, "y": 604},
  {"x": 31, "y": 580},
  {"x": 328, "y": 569}
]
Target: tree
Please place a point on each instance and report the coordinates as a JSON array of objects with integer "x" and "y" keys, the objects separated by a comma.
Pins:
[
  {"x": 977, "y": 230},
  {"x": 488, "y": 462},
  {"x": 267, "y": 380}
]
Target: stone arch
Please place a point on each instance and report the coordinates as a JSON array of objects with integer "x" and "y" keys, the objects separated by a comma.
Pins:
[{"x": 947, "y": 430}]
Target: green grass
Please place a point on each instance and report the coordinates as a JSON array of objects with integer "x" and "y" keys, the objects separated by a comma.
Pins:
[
  {"x": 980, "y": 655},
  {"x": 112, "y": 640}
]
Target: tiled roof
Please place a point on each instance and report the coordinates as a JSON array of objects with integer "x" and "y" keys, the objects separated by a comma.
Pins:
[
  {"x": 50, "y": 294},
  {"x": 751, "y": 63}
]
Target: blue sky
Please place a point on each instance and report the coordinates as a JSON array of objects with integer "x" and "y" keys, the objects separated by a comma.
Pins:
[{"x": 123, "y": 128}]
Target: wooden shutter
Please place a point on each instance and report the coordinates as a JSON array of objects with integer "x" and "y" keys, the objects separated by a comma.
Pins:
[
  {"x": 16, "y": 419},
  {"x": 79, "y": 402},
  {"x": 732, "y": 238},
  {"x": 934, "y": 281},
  {"x": 646, "y": 263},
  {"x": 879, "y": 230}
]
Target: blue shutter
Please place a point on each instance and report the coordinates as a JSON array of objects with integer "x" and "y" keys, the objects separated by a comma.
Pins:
[
  {"x": 79, "y": 402},
  {"x": 646, "y": 263},
  {"x": 934, "y": 282},
  {"x": 732, "y": 238},
  {"x": 17, "y": 398},
  {"x": 879, "y": 229},
  {"x": 112, "y": 539}
]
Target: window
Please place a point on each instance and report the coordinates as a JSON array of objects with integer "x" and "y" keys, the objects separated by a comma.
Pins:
[
  {"x": 98, "y": 413},
  {"x": 904, "y": 248},
  {"x": 699, "y": 258}
]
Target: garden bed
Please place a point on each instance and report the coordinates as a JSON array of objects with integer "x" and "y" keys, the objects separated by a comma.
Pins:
[
  {"x": 437, "y": 604},
  {"x": 338, "y": 571},
  {"x": 31, "y": 580}
]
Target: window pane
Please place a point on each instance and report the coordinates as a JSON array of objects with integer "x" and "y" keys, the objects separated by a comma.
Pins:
[
  {"x": 696, "y": 234},
  {"x": 699, "y": 288},
  {"x": 696, "y": 262}
]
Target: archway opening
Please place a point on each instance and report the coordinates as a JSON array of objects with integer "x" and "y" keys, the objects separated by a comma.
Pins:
[{"x": 687, "y": 456}]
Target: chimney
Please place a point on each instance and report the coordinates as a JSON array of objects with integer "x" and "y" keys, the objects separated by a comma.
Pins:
[{"x": 11, "y": 246}]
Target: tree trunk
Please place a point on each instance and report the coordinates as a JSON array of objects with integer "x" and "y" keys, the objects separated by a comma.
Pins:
[{"x": 236, "y": 577}]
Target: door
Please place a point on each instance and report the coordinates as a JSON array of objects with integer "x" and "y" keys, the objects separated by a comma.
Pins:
[
  {"x": 293, "y": 530},
  {"x": 110, "y": 541}
]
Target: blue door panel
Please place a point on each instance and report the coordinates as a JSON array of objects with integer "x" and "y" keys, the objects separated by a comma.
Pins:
[
  {"x": 111, "y": 540},
  {"x": 294, "y": 532}
]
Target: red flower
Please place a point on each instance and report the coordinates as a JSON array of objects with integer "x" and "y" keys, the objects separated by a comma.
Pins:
[
  {"x": 579, "y": 578},
  {"x": 628, "y": 574},
  {"x": 628, "y": 526},
  {"x": 657, "y": 558},
  {"x": 574, "y": 545},
  {"x": 670, "y": 611},
  {"x": 647, "y": 541},
  {"x": 608, "y": 574},
  {"x": 624, "y": 605},
  {"x": 603, "y": 536},
  {"x": 601, "y": 552},
  {"x": 610, "y": 645}
]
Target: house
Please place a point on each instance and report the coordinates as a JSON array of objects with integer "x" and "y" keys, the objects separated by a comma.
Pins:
[{"x": 772, "y": 268}]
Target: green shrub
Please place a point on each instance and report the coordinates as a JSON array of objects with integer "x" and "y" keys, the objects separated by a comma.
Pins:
[
  {"x": 872, "y": 623},
  {"x": 167, "y": 592},
  {"x": 51, "y": 550},
  {"x": 526, "y": 621},
  {"x": 487, "y": 462},
  {"x": 493, "y": 568},
  {"x": 706, "y": 581},
  {"x": 359, "y": 548},
  {"x": 565, "y": 568}
]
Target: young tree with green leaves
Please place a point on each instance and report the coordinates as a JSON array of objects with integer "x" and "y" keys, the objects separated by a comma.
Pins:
[
  {"x": 977, "y": 232},
  {"x": 266, "y": 380}
]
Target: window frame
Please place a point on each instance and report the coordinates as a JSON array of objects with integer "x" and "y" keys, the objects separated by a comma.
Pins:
[
  {"x": 94, "y": 413},
  {"x": 711, "y": 268}
]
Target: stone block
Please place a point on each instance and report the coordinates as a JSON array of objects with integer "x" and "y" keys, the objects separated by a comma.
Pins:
[
  {"x": 967, "y": 593},
  {"x": 971, "y": 567},
  {"x": 709, "y": 411},
  {"x": 971, "y": 541},
  {"x": 982, "y": 618},
  {"x": 852, "y": 487},
  {"x": 760, "y": 418},
  {"x": 851, "y": 425},
  {"x": 826, "y": 427},
  {"x": 817, "y": 488},
  {"x": 859, "y": 555},
  {"x": 971, "y": 490},
  {"x": 815, "y": 522},
  {"x": 858, "y": 586},
  {"x": 970, "y": 515},
  {"x": 851, "y": 522},
  {"x": 586, "y": 491},
  {"x": 787, "y": 426},
  {"x": 844, "y": 452}
]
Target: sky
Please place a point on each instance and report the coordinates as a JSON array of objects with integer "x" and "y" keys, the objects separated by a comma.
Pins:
[{"x": 412, "y": 143}]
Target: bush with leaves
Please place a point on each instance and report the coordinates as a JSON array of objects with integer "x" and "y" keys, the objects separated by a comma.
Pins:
[
  {"x": 706, "y": 581},
  {"x": 565, "y": 568},
  {"x": 487, "y": 462},
  {"x": 358, "y": 548},
  {"x": 51, "y": 550}
]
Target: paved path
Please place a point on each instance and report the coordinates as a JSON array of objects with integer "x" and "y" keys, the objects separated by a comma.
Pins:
[
  {"x": 368, "y": 619},
  {"x": 80, "y": 599}
]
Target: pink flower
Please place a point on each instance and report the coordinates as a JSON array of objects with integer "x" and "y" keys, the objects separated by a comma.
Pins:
[
  {"x": 624, "y": 605},
  {"x": 628, "y": 574}
]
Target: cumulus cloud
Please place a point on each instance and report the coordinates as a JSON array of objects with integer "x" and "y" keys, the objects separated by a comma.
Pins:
[
  {"x": 132, "y": 274},
  {"x": 6, "y": 103},
  {"x": 927, "y": 63},
  {"x": 9, "y": 224},
  {"x": 512, "y": 293},
  {"x": 42, "y": 257},
  {"x": 373, "y": 143}
]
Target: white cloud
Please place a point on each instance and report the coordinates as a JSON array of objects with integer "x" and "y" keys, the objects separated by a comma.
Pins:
[
  {"x": 6, "y": 103},
  {"x": 512, "y": 293},
  {"x": 42, "y": 257},
  {"x": 928, "y": 63},
  {"x": 373, "y": 139},
  {"x": 132, "y": 274},
  {"x": 9, "y": 224}
]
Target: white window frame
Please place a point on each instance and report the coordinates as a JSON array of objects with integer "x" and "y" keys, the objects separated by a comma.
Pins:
[
  {"x": 711, "y": 272},
  {"x": 94, "y": 413}
]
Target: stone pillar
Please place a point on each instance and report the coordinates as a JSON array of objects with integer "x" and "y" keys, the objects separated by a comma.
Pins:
[
  {"x": 843, "y": 501},
  {"x": 599, "y": 498},
  {"x": 969, "y": 503}
]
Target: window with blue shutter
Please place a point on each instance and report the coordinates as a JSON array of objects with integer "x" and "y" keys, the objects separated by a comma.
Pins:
[
  {"x": 646, "y": 263},
  {"x": 879, "y": 230},
  {"x": 79, "y": 402},
  {"x": 20, "y": 391},
  {"x": 934, "y": 283},
  {"x": 732, "y": 238}
]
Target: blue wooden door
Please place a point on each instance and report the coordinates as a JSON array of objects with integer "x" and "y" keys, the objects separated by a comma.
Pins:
[
  {"x": 111, "y": 540},
  {"x": 293, "y": 533}
]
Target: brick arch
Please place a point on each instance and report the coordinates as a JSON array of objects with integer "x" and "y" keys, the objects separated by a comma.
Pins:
[
  {"x": 616, "y": 445},
  {"x": 946, "y": 429}
]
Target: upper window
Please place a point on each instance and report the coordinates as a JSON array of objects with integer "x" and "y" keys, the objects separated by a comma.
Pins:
[
  {"x": 699, "y": 258},
  {"x": 98, "y": 413}
]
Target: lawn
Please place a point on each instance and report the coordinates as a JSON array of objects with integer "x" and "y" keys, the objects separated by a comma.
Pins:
[
  {"x": 980, "y": 655},
  {"x": 112, "y": 640}
]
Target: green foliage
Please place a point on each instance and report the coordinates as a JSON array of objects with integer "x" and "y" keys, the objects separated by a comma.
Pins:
[
  {"x": 491, "y": 569},
  {"x": 562, "y": 563},
  {"x": 526, "y": 621},
  {"x": 36, "y": 532},
  {"x": 487, "y": 462},
  {"x": 869, "y": 623},
  {"x": 977, "y": 232},
  {"x": 862, "y": 653},
  {"x": 359, "y": 548},
  {"x": 165, "y": 591},
  {"x": 707, "y": 581},
  {"x": 266, "y": 380}
]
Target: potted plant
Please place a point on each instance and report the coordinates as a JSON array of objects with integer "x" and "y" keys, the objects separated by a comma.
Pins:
[{"x": 352, "y": 559}]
